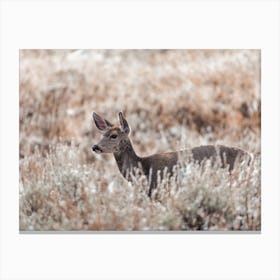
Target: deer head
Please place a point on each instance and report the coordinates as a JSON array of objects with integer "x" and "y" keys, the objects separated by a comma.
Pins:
[{"x": 114, "y": 137}]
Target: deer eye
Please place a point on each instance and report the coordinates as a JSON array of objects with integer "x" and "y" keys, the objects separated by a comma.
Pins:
[{"x": 113, "y": 136}]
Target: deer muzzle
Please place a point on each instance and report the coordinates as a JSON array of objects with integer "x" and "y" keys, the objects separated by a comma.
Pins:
[{"x": 96, "y": 149}]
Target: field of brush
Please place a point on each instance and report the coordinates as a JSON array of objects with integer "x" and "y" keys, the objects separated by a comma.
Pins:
[{"x": 172, "y": 99}]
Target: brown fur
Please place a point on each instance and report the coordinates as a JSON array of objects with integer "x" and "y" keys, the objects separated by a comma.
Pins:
[{"x": 127, "y": 160}]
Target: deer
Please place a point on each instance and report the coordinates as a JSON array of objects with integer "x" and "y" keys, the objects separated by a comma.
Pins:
[{"x": 116, "y": 140}]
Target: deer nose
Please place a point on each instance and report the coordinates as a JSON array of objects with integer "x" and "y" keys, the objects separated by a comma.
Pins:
[{"x": 94, "y": 147}]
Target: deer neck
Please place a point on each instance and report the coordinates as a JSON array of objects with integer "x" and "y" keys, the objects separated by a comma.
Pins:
[{"x": 127, "y": 159}]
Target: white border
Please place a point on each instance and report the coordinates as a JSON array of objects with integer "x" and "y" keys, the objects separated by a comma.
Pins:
[{"x": 158, "y": 24}]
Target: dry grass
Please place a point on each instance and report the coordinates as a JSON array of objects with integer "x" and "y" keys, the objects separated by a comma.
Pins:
[{"x": 172, "y": 99}]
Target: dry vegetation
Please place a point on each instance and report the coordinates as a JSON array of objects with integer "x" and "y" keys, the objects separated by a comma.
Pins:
[{"x": 172, "y": 99}]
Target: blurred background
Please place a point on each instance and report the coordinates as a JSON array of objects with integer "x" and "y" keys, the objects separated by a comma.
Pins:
[{"x": 171, "y": 98}]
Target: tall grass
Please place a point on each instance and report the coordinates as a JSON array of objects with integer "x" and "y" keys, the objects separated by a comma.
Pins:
[{"x": 59, "y": 193}]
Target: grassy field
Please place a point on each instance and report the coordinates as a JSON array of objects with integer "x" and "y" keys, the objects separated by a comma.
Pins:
[{"x": 173, "y": 99}]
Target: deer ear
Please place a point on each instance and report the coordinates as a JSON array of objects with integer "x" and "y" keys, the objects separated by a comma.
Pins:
[
  {"x": 101, "y": 123},
  {"x": 124, "y": 124}
]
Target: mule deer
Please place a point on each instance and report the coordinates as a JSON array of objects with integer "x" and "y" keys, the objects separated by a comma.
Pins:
[{"x": 116, "y": 140}]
